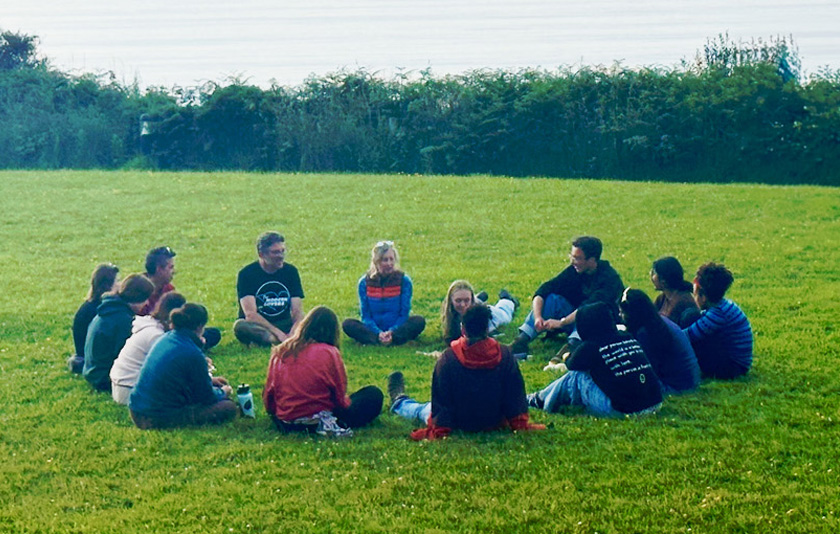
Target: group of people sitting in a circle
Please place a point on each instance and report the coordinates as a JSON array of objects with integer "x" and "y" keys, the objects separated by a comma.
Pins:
[{"x": 144, "y": 342}]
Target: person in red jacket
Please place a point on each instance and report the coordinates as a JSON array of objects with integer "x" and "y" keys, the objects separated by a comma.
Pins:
[
  {"x": 306, "y": 387},
  {"x": 476, "y": 386}
]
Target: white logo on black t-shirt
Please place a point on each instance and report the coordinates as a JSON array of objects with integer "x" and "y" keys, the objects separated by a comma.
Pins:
[{"x": 273, "y": 299}]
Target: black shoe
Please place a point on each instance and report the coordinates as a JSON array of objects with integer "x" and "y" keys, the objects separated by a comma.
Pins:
[
  {"x": 534, "y": 401},
  {"x": 396, "y": 386},
  {"x": 76, "y": 364},
  {"x": 482, "y": 296},
  {"x": 519, "y": 348},
  {"x": 505, "y": 294}
]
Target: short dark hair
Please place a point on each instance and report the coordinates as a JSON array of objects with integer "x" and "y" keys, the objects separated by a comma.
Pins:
[
  {"x": 591, "y": 246},
  {"x": 267, "y": 239},
  {"x": 476, "y": 320},
  {"x": 157, "y": 257},
  {"x": 713, "y": 279}
]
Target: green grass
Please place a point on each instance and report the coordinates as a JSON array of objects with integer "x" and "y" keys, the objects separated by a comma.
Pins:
[{"x": 759, "y": 454}]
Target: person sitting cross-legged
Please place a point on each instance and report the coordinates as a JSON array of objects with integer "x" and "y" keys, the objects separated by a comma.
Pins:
[
  {"x": 306, "y": 384},
  {"x": 609, "y": 373},
  {"x": 476, "y": 386}
]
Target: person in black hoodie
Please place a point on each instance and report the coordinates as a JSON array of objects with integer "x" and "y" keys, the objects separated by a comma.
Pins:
[
  {"x": 609, "y": 373},
  {"x": 588, "y": 279},
  {"x": 111, "y": 327},
  {"x": 476, "y": 386},
  {"x": 102, "y": 280}
]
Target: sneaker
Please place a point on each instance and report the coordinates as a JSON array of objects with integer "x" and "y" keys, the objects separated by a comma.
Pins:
[
  {"x": 482, "y": 296},
  {"x": 248, "y": 332},
  {"x": 75, "y": 364},
  {"x": 396, "y": 386},
  {"x": 505, "y": 294},
  {"x": 534, "y": 401}
]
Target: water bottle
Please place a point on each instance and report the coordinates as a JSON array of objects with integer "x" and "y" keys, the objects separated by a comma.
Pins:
[{"x": 246, "y": 400}]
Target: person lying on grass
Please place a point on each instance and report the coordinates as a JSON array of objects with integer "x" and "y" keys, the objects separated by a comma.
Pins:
[
  {"x": 103, "y": 280},
  {"x": 306, "y": 386},
  {"x": 609, "y": 373},
  {"x": 665, "y": 344},
  {"x": 461, "y": 296},
  {"x": 385, "y": 302},
  {"x": 110, "y": 328},
  {"x": 476, "y": 386},
  {"x": 175, "y": 388},
  {"x": 587, "y": 279},
  {"x": 722, "y": 337}
]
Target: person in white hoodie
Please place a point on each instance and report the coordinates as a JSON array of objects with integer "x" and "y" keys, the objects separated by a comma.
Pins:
[{"x": 145, "y": 330}]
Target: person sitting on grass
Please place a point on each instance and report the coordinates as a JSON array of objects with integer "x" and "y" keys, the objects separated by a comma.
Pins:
[
  {"x": 111, "y": 327},
  {"x": 588, "y": 279},
  {"x": 160, "y": 269},
  {"x": 175, "y": 388},
  {"x": 145, "y": 331},
  {"x": 461, "y": 296},
  {"x": 722, "y": 337},
  {"x": 270, "y": 295},
  {"x": 609, "y": 373},
  {"x": 385, "y": 302},
  {"x": 476, "y": 386},
  {"x": 306, "y": 386},
  {"x": 102, "y": 281},
  {"x": 665, "y": 344},
  {"x": 676, "y": 301}
]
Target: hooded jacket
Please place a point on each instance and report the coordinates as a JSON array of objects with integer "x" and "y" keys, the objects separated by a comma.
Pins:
[
  {"x": 475, "y": 388},
  {"x": 145, "y": 330},
  {"x": 614, "y": 360},
  {"x": 105, "y": 338}
]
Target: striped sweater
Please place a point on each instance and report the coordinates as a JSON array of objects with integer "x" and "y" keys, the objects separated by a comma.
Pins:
[{"x": 730, "y": 328}]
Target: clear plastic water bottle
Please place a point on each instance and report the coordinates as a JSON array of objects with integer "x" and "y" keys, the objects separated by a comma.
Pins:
[{"x": 246, "y": 400}]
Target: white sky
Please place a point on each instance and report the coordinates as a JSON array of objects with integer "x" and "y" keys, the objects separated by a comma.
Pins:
[{"x": 186, "y": 42}]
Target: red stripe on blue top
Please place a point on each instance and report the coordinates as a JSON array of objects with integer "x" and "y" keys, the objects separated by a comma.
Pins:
[{"x": 383, "y": 292}]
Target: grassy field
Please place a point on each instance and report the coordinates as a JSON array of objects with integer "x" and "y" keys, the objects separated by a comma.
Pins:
[{"x": 759, "y": 454}]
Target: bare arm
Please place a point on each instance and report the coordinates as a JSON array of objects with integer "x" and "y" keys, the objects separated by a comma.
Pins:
[
  {"x": 297, "y": 312},
  {"x": 537, "y": 308},
  {"x": 249, "y": 307}
]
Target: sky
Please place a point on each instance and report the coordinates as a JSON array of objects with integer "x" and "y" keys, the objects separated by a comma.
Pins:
[{"x": 164, "y": 43}]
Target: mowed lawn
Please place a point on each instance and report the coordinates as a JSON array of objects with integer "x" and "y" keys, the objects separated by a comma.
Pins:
[{"x": 758, "y": 454}]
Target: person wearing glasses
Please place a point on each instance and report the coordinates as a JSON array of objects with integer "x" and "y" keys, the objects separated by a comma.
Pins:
[
  {"x": 587, "y": 280},
  {"x": 270, "y": 295},
  {"x": 160, "y": 269},
  {"x": 385, "y": 302}
]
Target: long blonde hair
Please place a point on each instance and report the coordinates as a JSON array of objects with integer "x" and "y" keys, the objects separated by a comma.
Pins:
[
  {"x": 447, "y": 310},
  {"x": 379, "y": 250},
  {"x": 319, "y": 326}
]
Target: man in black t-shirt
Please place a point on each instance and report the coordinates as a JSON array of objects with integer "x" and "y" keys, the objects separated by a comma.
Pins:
[{"x": 270, "y": 295}]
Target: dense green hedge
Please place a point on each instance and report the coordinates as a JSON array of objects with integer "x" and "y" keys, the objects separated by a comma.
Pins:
[{"x": 738, "y": 113}]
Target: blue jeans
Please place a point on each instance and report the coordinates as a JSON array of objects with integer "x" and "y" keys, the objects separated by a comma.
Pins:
[
  {"x": 554, "y": 307},
  {"x": 501, "y": 314},
  {"x": 576, "y": 388},
  {"x": 412, "y": 410}
]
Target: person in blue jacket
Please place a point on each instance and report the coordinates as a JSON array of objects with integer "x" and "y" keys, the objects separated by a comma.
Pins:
[
  {"x": 385, "y": 302},
  {"x": 175, "y": 388}
]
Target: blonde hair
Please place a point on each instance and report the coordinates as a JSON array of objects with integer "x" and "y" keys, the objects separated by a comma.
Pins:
[
  {"x": 319, "y": 326},
  {"x": 379, "y": 250},
  {"x": 447, "y": 310}
]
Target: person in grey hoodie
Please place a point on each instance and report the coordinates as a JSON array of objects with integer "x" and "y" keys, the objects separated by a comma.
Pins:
[{"x": 111, "y": 327}]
